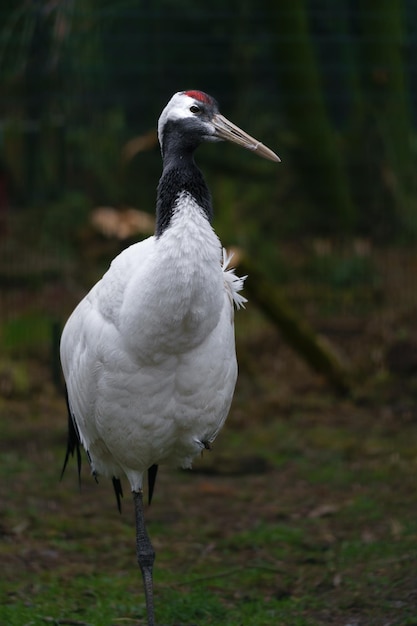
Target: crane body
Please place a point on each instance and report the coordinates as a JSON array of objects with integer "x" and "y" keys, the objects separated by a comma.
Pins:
[{"x": 154, "y": 339}]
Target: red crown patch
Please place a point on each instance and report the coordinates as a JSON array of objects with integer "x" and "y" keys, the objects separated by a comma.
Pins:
[{"x": 199, "y": 95}]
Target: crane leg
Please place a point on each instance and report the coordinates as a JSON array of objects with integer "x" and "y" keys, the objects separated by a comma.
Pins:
[{"x": 145, "y": 554}]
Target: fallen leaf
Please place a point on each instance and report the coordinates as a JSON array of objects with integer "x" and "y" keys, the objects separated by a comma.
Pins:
[{"x": 324, "y": 510}]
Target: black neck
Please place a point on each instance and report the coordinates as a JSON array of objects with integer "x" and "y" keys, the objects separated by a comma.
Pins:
[{"x": 180, "y": 174}]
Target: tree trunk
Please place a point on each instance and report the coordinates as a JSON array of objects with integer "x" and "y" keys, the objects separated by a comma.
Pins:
[
  {"x": 317, "y": 155},
  {"x": 296, "y": 332},
  {"x": 385, "y": 163}
]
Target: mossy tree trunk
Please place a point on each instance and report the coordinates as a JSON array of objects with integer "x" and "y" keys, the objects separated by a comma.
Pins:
[
  {"x": 295, "y": 330},
  {"x": 317, "y": 153},
  {"x": 385, "y": 163}
]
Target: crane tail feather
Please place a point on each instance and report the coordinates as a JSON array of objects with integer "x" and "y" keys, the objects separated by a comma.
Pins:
[
  {"x": 73, "y": 441},
  {"x": 152, "y": 472},
  {"x": 118, "y": 491}
]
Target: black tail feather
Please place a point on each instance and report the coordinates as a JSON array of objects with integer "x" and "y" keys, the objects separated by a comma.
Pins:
[
  {"x": 117, "y": 486},
  {"x": 152, "y": 472},
  {"x": 73, "y": 441}
]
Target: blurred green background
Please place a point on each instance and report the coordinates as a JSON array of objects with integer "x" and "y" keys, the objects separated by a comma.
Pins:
[
  {"x": 329, "y": 84},
  {"x": 305, "y": 512}
]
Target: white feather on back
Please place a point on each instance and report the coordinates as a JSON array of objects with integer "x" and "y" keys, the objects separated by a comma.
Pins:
[{"x": 233, "y": 283}]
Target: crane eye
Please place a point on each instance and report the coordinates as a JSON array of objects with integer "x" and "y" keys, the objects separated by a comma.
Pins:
[{"x": 195, "y": 109}]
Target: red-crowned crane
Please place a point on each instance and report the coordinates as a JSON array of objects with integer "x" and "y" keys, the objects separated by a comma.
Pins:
[{"x": 149, "y": 354}]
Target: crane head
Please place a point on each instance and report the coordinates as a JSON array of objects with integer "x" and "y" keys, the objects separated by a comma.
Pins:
[{"x": 195, "y": 116}]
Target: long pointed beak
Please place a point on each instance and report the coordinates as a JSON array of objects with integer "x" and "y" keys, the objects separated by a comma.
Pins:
[{"x": 229, "y": 132}]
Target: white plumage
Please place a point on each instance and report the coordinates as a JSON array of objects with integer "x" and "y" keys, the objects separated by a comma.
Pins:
[{"x": 149, "y": 355}]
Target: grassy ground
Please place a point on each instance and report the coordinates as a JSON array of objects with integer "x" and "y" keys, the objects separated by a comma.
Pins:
[{"x": 304, "y": 513}]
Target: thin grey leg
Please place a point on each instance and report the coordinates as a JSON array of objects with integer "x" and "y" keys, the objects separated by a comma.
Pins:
[{"x": 145, "y": 554}]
